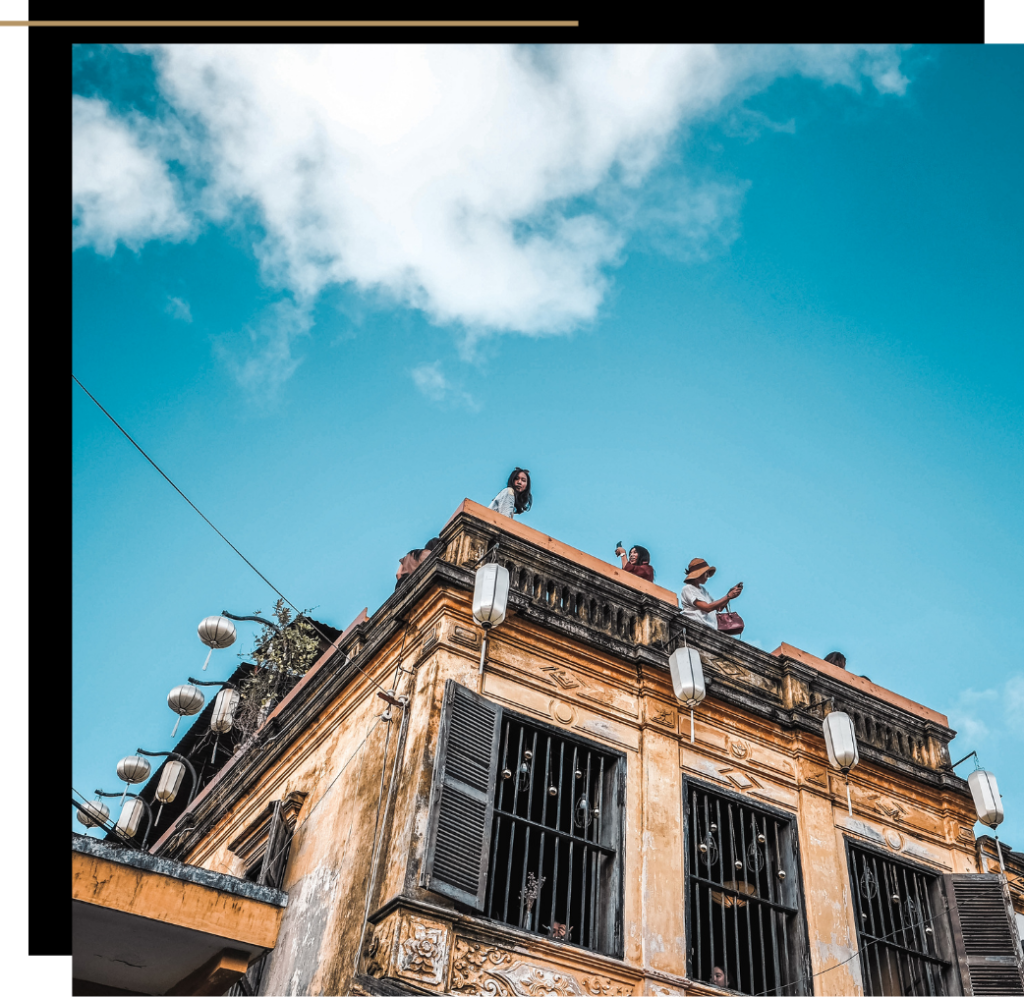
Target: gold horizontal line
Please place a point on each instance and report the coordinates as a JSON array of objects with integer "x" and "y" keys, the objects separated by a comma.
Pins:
[{"x": 289, "y": 24}]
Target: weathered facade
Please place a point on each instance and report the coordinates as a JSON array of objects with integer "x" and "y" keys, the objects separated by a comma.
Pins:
[{"x": 549, "y": 826}]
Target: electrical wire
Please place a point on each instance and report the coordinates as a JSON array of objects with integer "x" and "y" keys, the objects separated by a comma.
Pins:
[
  {"x": 359, "y": 747},
  {"x": 107, "y": 824},
  {"x": 214, "y": 528},
  {"x": 873, "y": 941}
]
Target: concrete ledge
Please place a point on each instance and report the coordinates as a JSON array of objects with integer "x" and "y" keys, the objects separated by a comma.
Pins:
[{"x": 84, "y": 845}]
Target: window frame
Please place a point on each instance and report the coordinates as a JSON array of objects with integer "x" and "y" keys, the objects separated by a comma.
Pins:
[
  {"x": 798, "y": 938},
  {"x": 612, "y": 931},
  {"x": 944, "y": 943},
  {"x": 617, "y": 949}
]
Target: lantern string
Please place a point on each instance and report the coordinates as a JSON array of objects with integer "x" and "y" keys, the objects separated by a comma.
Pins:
[
  {"x": 691, "y": 725},
  {"x": 176, "y": 722},
  {"x": 127, "y": 436},
  {"x": 207, "y": 661}
]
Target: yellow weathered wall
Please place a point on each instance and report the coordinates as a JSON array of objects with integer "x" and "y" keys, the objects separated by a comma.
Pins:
[{"x": 552, "y": 678}]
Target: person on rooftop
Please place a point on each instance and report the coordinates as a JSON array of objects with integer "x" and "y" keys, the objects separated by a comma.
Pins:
[
  {"x": 697, "y": 603},
  {"x": 836, "y": 658},
  {"x": 516, "y": 498},
  {"x": 408, "y": 564},
  {"x": 637, "y": 561}
]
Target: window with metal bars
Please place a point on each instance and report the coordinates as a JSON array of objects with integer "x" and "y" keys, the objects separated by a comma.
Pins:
[
  {"x": 526, "y": 824},
  {"x": 902, "y": 931},
  {"x": 745, "y": 924},
  {"x": 555, "y": 864}
]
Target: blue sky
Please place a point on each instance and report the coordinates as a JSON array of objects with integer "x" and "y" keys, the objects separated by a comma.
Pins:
[{"x": 755, "y": 305}]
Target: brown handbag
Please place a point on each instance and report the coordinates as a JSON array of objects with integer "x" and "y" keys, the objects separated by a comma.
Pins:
[{"x": 729, "y": 623}]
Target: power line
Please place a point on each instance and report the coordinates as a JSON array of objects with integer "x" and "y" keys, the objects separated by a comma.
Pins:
[
  {"x": 867, "y": 945},
  {"x": 127, "y": 436}
]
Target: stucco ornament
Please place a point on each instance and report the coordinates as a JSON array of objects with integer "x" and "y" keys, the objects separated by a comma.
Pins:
[
  {"x": 535, "y": 981},
  {"x": 602, "y": 985},
  {"x": 483, "y": 969},
  {"x": 422, "y": 950}
]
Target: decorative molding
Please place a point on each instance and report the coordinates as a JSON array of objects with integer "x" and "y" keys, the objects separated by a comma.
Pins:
[
  {"x": 422, "y": 950},
  {"x": 602, "y": 985},
  {"x": 738, "y": 748},
  {"x": 741, "y": 780},
  {"x": 563, "y": 713},
  {"x": 464, "y": 635},
  {"x": 377, "y": 948},
  {"x": 893, "y": 839},
  {"x": 528, "y": 980},
  {"x": 472, "y": 968},
  {"x": 658, "y": 713},
  {"x": 561, "y": 677},
  {"x": 479, "y": 968}
]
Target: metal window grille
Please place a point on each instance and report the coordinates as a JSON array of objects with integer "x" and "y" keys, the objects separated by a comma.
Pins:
[
  {"x": 745, "y": 929},
  {"x": 898, "y": 918},
  {"x": 555, "y": 864}
]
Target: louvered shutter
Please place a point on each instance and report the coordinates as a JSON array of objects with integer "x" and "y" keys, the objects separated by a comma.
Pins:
[
  {"x": 985, "y": 934},
  {"x": 462, "y": 796}
]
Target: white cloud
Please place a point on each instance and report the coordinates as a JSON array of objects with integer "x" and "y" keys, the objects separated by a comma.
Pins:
[
  {"x": 988, "y": 716},
  {"x": 433, "y": 383},
  {"x": 121, "y": 189},
  {"x": 260, "y": 358},
  {"x": 430, "y": 380},
  {"x": 179, "y": 309},
  {"x": 493, "y": 187}
]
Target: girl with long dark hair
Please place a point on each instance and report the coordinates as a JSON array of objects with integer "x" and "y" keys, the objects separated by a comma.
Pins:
[
  {"x": 637, "y": 561},
  {"x": 515, "y": 498}
]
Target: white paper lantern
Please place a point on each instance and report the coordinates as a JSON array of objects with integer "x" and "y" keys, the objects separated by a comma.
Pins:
[
  {"x": 687, "y": 676},
  {"x": 224, "y": 710},
  {"x": 170, "y": 781},
  {"x": 97, "y": 815},
  {"x": 490, "y": 595},
  {"x": 133, "y": 768},
  {"x": 840, "y": 741},
  {"x": 841, "y": 745},
  {"x": 216, "y": 632},
  {"x": 687, "y": 672},
  {"x": 186, "y": 701},
  {"x": 131, "y": 815},
  {"x": 987, "y": 800}
]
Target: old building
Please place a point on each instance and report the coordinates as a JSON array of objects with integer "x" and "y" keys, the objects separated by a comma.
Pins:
[{"x": 546, "y": 823}]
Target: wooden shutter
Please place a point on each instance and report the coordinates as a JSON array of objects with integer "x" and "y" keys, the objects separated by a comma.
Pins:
[
  {"x": 462, "y": 796},
  {"x": 985, "y": 934}
]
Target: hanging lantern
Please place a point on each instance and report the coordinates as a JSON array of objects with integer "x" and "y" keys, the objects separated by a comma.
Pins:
[
  {"x": 169, "y": 784},
  {"x": 687, "y": 679},
  {"x": 131, "y": 814},
  {"x": 490, "y": 595},
  {"x": 841, "y": 745},
  {"x": 186, "y": 701},
  {"x": 132, "y": 769},
  {"x": 98, "y": 812},
  {"x": 224, "y": 710},
  {"x": 170, "y": 781},
  {"x": 490, "y": 600},
  {"x": 216, "y": 632},
  {"x": 987, "y": 800}
]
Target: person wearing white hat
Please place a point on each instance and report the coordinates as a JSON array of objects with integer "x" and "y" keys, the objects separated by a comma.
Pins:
[{"x": 696, "y": 601}]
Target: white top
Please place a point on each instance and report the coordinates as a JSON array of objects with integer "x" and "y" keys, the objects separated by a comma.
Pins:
[
  {"x": 504, "y": 503},
  {"x": 692, "y": 593}
]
